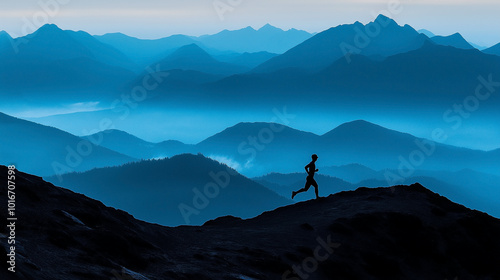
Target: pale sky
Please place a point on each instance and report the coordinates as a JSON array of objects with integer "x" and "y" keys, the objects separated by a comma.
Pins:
[{"x": 477, "y": 21}]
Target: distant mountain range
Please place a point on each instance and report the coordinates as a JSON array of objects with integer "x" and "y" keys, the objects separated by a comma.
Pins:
[
  {"x": 247, "y": 59},
  {"x": 47, "y": 151},
  {"x": 145, "y": 52},
  {"x": 426, "y": 33},
  {"x": 352, "y": 173},
  {"x": 247, "y": 40},
  {"x": 446, "y": 40},
  {"x": 343, "y": 63},
  {"x": 493, "y": 50},
  {"x": 185, "y": 189},
  {"x": 339, "y": 42},
  {"x": 192, "y": 57},
  {"x": 456, "y": 40},
  {"x": 358, "y": 142},
  {"x": 135, "y": 147},
  {"x": 416, "y": 233},
  {"x": 413, "y": 72},
  {"x": 54, "y": 60},
  {"x": 268, "y": 39},
  {"x": 366, "y": 81},
  {"x": 355, "y": 142}
]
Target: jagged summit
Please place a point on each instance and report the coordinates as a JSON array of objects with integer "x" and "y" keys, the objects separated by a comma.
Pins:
[{"x": 384, "y": 20}]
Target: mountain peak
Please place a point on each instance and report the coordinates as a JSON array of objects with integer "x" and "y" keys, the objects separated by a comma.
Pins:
[
  {"x": 49, "y": 28},
  {"x": 455, "y": 40},
  {"x": 457, "y": 36},
  {"x": 248, "y": 28},
  {"x": 426, "y": 33},
  {"x": 191, "y": 49},
  {"x": 269, "y": 27},
  {"x": 359, "y": 123},
  {"x": 50, "y": 32},
  {"x": 192, "y": 46},
  {"x": 244, "y": 127},
  {"x": 193, "y": 57},
  {"x": 5, "y": 39},
  {"x": 4, "y": 34},
  {"x": 356, "y": 127},
  {"x": 192, "y": 52},
  {"x": 384, "y": 20}
]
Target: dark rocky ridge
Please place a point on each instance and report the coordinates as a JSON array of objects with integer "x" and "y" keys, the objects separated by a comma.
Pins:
[{"x": 404, "y": 232}]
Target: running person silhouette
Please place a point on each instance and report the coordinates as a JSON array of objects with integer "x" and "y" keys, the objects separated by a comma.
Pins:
[{"x": 310, "y": 169}]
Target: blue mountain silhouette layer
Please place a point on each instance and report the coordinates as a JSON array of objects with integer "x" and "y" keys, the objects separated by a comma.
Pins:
[
  {"x": 135, "y": 147},
  {"x": 426, "y": 33},
  {"x": 247, "y": 59},
  {"x": 5, "y": 43},
  {"x": 431, "y": 75},
  {"x": 328, "y": 46},
  {"x": 154, "y": 190},
  {"x": 45, "y": 151},
  {"x": 268, "y": 38},
  {"x": 145, "y": 52},
  {"x": 51, "y": 59},
  {"x": 456, "y": 40},
  {"x": 355, "y": 142},
  {"x": 192, "y": 57},
  {"x": 493, "y": 50}
]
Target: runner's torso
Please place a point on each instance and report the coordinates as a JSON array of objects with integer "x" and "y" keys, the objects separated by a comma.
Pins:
[{"x": 312, "y": 168}]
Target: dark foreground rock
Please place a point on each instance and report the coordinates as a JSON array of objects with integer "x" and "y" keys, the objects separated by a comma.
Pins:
[{"x": 404, "y": 232}]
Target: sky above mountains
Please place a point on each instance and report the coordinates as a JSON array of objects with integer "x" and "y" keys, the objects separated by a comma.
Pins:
[{"x": 158, "y": 18}]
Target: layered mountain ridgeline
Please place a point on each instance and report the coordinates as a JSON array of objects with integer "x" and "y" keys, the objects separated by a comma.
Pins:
[
  {"x": 184, "y": 189},
  {"x": 135, "y": 147},
  {"x": 404, "y": 232},
  {"x": 45, "y": 150},
  {"x": 404, "y": 79},
  {"x": 57, "y": 61},
  {"x": 145, "y": 52},
  {"x": 261, "y": 148},
  {"x": 268, "y": 38},
  {"x": 328, "y": 46},
  {"x": 493, "y": 50},
  {"x": 380, "y": 61},
  {"x": 228, "y": 42},
  {"x": 396, "y": 66},
  {"x": 455, "y": 40},
  {"x": 279, "y": 149},
  {"x": 192, "y": 57},
  {"x": 247, "y": 59}
]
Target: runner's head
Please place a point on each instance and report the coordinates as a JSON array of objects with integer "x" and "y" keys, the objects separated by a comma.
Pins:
[{"x": 314, "y": 157}]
